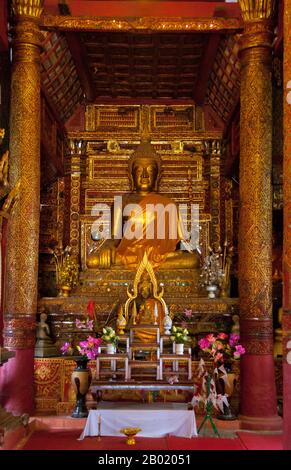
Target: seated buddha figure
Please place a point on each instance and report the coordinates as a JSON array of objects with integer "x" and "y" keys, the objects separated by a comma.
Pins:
[
  {"x": 151, "y": 222},
  {"x": 149, "y": 312}
]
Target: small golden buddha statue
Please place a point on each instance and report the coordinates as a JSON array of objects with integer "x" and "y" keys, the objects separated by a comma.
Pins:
[
  {"x": 143, "y": 231},
  {"x": 149, "y": 312}
]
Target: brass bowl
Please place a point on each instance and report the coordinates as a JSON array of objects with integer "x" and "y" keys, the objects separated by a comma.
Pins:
[{"x": 130, "y": 433}]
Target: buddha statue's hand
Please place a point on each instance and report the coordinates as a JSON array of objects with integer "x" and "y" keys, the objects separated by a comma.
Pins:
[{"x": 101, "y": 260}]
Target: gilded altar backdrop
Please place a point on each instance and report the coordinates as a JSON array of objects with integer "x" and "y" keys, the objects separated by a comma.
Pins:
[
  {"x": 287, "y": 225},
  {"x": 97, "y": 169}
]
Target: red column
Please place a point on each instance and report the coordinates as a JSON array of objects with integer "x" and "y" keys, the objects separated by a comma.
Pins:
[
  {"x": 258, "y": 391},
  {"x": 21, "y": 276}
]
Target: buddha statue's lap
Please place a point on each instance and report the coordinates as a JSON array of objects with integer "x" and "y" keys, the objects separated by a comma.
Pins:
[
  {"x": 108, "y": 258},
  {"x": 161, "y": 250}
]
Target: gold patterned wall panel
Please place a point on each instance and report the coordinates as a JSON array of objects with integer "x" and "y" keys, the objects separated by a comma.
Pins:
[
  {"x": 287, "y": 158},
  {"x": 215, "y": 155},
  {"x": 48, "y": 378},
  {"x": 75, "y": 213},
  {"x": 287, "y": 224},
  {"x": 75, "y": 164},
  {"x": 144, "y": 120},
  {"x": 52, "y": 215},
  {"x": 115, "y": 118},
  {"x": 109, "y": 174},
  {"x": 228, "y": 207},
  {"x": 52, "y": 384},
  {"x": 172, "y": 118}
]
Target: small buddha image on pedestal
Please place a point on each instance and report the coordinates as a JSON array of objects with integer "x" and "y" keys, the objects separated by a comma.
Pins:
[{"x": 44, "y": 346}]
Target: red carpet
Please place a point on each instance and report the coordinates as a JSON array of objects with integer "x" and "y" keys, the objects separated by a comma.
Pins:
[
  {"x": 204, "y": 443},
  {"x": 252, "y": 441},
  {"x": 68, "y": 440}
]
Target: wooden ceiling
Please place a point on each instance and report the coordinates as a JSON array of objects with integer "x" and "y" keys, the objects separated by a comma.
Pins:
[
  {"x": 124, "y": 65},
  {"x": 90, "y": 66},
  {"x": 84, "y": 67}
]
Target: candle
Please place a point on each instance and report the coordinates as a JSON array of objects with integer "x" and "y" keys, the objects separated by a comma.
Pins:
[
  {"x": 156, "y": 314},
  {"x": 99, "y": 427}
]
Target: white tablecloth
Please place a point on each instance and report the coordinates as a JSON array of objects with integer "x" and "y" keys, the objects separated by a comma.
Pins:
[{"x": 153, "y": 423}]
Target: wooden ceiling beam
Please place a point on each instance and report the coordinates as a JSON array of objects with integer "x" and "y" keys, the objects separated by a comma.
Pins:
[
  {"x": 79, "y": 55},
  {"x": 145, "y": 24},
  {"x": 208, "y": 58}
]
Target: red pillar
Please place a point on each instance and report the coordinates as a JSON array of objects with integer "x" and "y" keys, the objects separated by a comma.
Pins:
[
  {"x": 21, "y": 276},
  {"x": 258, "y": 391}
]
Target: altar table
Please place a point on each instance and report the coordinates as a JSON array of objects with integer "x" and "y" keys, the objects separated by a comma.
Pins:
[{"x": 154, "y": 422}]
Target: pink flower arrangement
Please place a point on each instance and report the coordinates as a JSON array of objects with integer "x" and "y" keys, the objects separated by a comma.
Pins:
[
  {"x": 88, "y": 348},
  {"x": 84, "y": 324},
  {"x": 188, "y": 312},
  {"x": 222, "y": 347}
]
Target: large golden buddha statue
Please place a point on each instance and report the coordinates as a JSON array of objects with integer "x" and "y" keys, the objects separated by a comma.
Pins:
[{"x": 151, "y": 225}]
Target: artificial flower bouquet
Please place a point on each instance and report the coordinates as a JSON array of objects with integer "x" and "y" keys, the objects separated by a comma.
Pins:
[
  {"x": 222, "y": 347},
  {"x": 180, "y": 335},
  {"x": 88, "y": 348},
  {"x": 207, "y": 397},
  {"x": 109, "y": 336}
]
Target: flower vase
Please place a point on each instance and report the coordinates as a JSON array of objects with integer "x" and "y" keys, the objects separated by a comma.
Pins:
[
  {"x": 65, "y": 291},
  {"x": 110, "y": 348},
  {"x": 167, "y": 324},
  {"x": 179, "y": 348},
  {"x": 211, "y": 291},
  {"x": 81, "y": 380}
]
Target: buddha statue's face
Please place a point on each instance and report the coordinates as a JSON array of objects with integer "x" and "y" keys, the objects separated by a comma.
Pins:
[
  {"x": 145, "y": 290},
  {"x": 144, "y": 174}
]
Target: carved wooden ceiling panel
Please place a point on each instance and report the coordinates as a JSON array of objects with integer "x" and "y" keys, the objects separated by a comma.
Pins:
[
  {"x": 154, "y": 66},
  {"x": 59, "y": 75},
  {"x": 157, "y": 66},
  {"x": 224, "y": 81}
]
